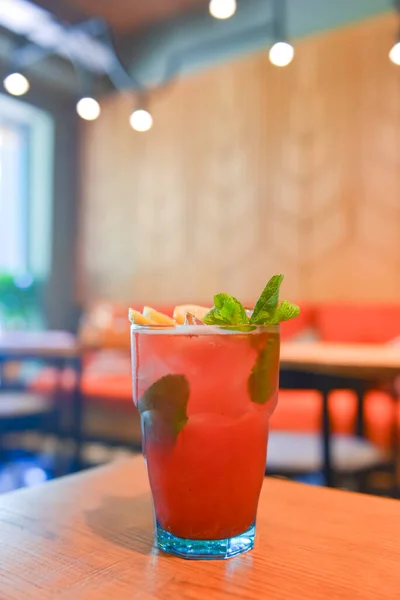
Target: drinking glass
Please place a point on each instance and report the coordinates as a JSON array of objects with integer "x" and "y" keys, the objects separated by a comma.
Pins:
[{"x": 205, "y": 395}]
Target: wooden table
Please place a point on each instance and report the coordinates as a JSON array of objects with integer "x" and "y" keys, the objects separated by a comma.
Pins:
[
  {"x": 44, "y": 344},
  {"x": 58, "y": 348},
  {"x": 365, "y": 361},
  {"x": 89, "y": 537}
]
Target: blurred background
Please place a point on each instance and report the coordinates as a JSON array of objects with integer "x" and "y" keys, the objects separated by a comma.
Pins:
[{"x": 158, "y": 152}]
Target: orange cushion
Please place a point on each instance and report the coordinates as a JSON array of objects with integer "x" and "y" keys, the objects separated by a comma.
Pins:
[
  {"x": 305, "y": 320},
  {"x": 297, "y": 410},
  {"x": 301, "y": 411},
  {"x": 358, "y": 323},
  {"x": 108, "y": 386},
  {"x": 380, "y": 411}
]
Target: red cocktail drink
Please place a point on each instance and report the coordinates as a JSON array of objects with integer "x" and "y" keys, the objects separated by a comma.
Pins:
[{"x": 205, "y": 395}]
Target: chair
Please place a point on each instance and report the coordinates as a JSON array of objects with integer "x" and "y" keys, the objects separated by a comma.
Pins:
[
  {"x": 342, "y": 455},
  {"x": 353, "y": 459},
  {"x": 23, "y": 412}
]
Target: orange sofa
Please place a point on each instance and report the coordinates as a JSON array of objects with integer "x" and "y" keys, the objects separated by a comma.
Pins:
[{"x": 107, "y": 377}]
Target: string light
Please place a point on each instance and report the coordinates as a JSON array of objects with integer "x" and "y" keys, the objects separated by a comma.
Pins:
[
  {"x": 394, "y": 53},
  {"x": 281, "y": 54},
  {"x": 88, "y": 109},
  {"x": 222, "y": 9},
  {"x": 141, "y": 120},
  {"x": 16, "y": 84}
]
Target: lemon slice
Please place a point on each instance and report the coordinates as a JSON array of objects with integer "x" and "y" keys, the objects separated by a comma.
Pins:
[
  {"x": 137, "y": 318},
  {"x": 197, "y": 311},
  {"x": 157, "y": 317}
]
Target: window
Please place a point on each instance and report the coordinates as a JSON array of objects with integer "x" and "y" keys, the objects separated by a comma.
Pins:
[
  {"x": 13, "y": 199},
  {"x": 26, "y": 168}
]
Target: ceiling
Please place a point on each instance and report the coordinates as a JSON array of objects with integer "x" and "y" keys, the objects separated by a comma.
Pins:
[
  {"x": 171, "y": 37},
  {"x": 122, "y": 15}
]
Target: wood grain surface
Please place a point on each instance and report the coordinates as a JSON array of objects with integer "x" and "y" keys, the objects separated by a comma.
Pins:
[
  {"x": 370, "y": 361},
  {"x": 251, "y": 170},
  {"x": 89, "y": 537}
]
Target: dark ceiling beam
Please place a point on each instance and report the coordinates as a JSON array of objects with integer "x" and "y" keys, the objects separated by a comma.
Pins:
[
  {"x": 54, "y": 71},
  {"x": 64, "y": 11},
  {"x": 29, "y": 53}
]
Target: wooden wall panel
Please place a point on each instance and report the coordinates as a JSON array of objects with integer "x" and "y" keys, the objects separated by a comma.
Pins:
[{"x": 251, "y": 170}]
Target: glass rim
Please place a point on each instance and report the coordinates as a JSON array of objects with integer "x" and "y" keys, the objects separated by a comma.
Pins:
[{"x": 204, "y": 329}]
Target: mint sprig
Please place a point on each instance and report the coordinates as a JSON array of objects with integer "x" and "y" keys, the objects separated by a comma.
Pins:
[
  {"x": 263, "y": 379},
  {"x": 267, "y": 310},
  {"x": 284, "y": 312},
  {"x": 228, "y": 311},
  {"x": 268, "y": 301}
]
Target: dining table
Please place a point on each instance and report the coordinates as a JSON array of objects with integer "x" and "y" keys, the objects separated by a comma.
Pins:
[
  {"x": 378, "y": 362},
  {"x": 327, "y": 366},
  {"x": 89, "y": 536},
  {"x": 47, "y": 344},
  {"x": 59, "y": 349}
]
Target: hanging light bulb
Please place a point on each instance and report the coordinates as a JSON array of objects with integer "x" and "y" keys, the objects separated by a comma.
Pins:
[
  {"x": 16, "y": 84},
  {"x": 394, "y": 53},
  {"x": 88, "y": 109},
  {"x": 281, "y": 54},
  {"x": 141, "y": 120},
  {"x": 222, "y": 9}
]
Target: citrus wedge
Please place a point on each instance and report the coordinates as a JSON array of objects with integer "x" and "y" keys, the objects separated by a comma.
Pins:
[
  {"x": 157, "y": 317},
  {"x": 191, "y": 320},
  {"x": 138, "y": 319},
  {"x": 181, "y": 311}
]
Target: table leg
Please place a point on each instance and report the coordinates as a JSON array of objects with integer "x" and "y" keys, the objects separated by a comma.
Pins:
[
  {"x": 395, "y": 446},
  {"x": 360, "y": 421},
  {"x": 77, "y": 416},
  {"x": 326, "y": 441},
  {"x": 58, "y": 422}
]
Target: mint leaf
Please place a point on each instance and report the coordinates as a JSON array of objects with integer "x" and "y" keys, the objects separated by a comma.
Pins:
[
  {"x": 285, "y": 311},
  {"x": 163, "y": 406},
  {"x": 263, "y": 380},
  {"x": 226, "y": 311},
  {"x": 267, "y": 302}
]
